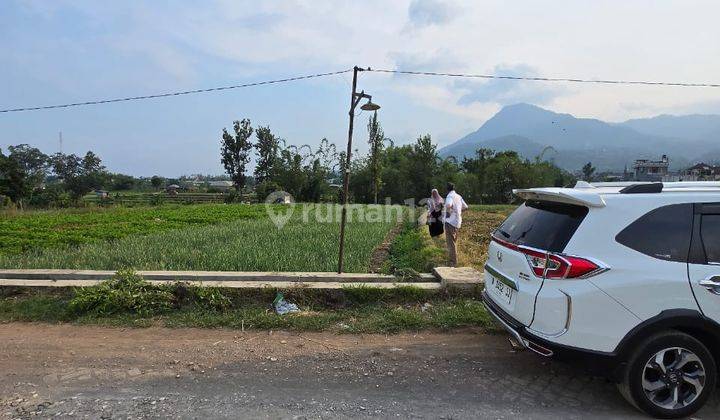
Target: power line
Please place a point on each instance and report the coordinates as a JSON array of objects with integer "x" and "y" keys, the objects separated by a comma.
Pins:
[
  {"x": 549, "y": 79},
  {"x": 165, "y": 95},
  {"x": 406, "y": 72}
]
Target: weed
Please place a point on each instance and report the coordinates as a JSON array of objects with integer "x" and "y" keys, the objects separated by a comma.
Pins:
[
  {"x": 125, "y": 292},
  {"x": 211, "y": 298},
  {"x": 413, "y": 251}
]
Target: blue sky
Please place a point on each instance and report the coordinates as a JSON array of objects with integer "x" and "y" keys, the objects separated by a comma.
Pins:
[{"x": 72, "y": 50}]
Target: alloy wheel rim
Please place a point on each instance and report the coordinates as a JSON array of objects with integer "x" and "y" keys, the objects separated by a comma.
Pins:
[{"x": 673, "y": 378}]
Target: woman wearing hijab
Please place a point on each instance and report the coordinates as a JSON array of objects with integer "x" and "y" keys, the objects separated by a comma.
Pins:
[{"x": 435, "y": 208}]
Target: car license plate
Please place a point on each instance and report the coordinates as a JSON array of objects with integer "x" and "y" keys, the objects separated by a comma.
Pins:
[{"x": 502, "y": 291}]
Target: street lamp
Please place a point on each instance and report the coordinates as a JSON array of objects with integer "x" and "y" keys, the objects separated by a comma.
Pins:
[{"x": 355, "y": 99}]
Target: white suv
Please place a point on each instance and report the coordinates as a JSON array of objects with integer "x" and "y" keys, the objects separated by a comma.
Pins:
[{"x": 624, "y": 277}]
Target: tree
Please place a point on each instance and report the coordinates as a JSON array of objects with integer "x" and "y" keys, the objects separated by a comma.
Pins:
[
  {"x": 327, "y": 153},
  {"x": 588, "y": 171},
  {"x": 235, "y": 152},
  {"x": 79, "y": 175},
  {"x": 504, "y": 171},
  {"x": 22, "y": 172},
  {"x": 267, "y": 148},
  {"x": 122, "y": 182},
  {"x": 156, "y": 182},
  {"x": 423, "y": 167},
  {"x": 376, "y": 139}
]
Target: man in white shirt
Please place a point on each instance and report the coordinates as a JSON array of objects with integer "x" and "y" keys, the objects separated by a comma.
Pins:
[{"x": 452, "y": 218}]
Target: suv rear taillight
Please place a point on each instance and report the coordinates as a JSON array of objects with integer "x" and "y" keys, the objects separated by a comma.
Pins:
[{"x": 551, "y": 265}]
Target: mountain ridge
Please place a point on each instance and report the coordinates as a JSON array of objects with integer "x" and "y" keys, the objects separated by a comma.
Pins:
[{"x": 528, "y": 129}]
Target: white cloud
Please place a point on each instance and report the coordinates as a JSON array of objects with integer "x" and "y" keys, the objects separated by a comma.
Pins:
[
  {"x": 507, "y": 92},
  {"x": 431, "y": 12}
]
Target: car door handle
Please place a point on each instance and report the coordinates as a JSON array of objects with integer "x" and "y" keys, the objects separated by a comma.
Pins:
[{"x": 712, "y": 284}]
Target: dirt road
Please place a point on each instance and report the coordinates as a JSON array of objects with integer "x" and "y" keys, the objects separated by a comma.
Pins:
[{"x": 70, "y": 371}]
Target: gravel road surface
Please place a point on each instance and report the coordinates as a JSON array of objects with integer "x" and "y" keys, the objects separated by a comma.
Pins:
[{"x": 69, "y": 371}]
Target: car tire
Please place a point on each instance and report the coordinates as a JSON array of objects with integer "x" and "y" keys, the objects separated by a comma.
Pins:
[{"x": 670, "y": 375}]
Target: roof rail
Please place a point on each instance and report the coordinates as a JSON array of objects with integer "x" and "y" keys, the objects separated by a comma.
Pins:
[
  {"x": 691, "y": 184},
  {"x": 617, "y": 183},
  {"x": 653, "y": 188},
  {"x": 666, "y": 185}
]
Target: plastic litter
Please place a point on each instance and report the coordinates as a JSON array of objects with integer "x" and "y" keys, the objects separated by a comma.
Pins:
[{"x": 282, "y": 306}]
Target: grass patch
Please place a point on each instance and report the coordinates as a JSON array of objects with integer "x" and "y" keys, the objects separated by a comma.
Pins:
[
  {"x": 129, "y": 301},
  {"x": 363, "y": 295},
  {"x": 413, "y": 251},
  {"x": 35, "y": 306},
  {"x": 478, "y": 223},
  {"x": 376, "y": 318}
]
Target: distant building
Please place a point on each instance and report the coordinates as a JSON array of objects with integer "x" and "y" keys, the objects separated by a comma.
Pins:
[
  {"x": 172, "y": 189},
  {"x": 701, "y": 172},
  {"x": 651, "y": 170},
  {"x": 702, "y": 169},
  {"x": 221, "y": 185},
  {"x": 281, "y": 197}
]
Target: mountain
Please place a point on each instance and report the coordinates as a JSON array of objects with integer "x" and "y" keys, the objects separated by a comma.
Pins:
[
  {"x": 693, "y": 127},
  {"x": 529, "y": 129}
]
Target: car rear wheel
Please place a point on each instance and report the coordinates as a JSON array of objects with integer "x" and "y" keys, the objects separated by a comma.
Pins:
[{"x": 671, "y": 375}]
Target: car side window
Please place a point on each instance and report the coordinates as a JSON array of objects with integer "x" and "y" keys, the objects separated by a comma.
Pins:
[
  {"x": 710, "y": 235},
  {"x": 662, "y": 233}
]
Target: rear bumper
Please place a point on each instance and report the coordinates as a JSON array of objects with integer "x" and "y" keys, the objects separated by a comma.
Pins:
[{"x": 598, "y": 363}]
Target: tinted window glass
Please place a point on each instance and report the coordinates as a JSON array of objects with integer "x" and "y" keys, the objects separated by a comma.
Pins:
[
  {"x": 542, "y": 224},
  {"x": 710, "y": 234},
  {"x": 663, "y": 233}
]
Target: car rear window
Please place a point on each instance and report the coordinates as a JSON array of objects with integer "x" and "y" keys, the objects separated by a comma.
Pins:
[
  {"x": 542, "y": 224},
  {"x": 662, "y": 233}
]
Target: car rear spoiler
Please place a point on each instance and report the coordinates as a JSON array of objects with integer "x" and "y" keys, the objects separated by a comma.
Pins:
[{"x": 562, "y": 195}]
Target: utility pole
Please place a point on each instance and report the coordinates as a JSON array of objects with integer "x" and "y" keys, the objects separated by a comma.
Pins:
[
  {"x": 355, "y": 98},
  {"x": 60, "y": 142}
]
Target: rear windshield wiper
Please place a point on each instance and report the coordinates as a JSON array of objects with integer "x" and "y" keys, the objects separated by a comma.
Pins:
[{"x": 503, "y": 233}]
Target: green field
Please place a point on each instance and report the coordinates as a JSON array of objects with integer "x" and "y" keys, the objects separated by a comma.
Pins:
[
  {"x": 55, "y": 228},
  {"x": 200, "y": 237},
  {"x": 243, "y": 238}
]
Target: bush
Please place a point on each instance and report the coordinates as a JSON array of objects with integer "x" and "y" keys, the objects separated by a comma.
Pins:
[
  {"x": 156, "y": 200},
  {"x": 211, "y": 298},
  {"x": 265, "y": 188},
  {"x": 53, "y": 196},
  {"x": 125, "y": 292},
  {"x": 232, "y": 196},
  {"x": 5, "y": 202}
]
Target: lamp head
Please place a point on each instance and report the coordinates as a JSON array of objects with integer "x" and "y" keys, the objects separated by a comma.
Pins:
[{"x": 370, "y": 106}]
